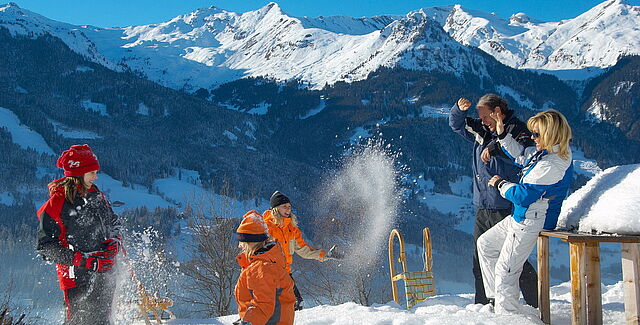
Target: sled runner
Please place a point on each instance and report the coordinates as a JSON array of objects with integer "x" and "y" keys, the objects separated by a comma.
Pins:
[
  {"x": 6, "y": 319},
  {"x": 149, "y": 303},
  {"x": 417, "y": 285}
]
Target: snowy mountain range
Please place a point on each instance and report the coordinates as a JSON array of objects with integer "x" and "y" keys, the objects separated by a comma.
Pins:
[
  {"x": 595, "y": 39},
  {"x": 211, "y": 46}
]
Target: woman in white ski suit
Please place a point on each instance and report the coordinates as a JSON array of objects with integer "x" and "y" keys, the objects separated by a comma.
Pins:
[{"x": 537, "y": 198}]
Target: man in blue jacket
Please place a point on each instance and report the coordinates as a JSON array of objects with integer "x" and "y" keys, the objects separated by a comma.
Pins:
[{"x": 489, "y": 160}]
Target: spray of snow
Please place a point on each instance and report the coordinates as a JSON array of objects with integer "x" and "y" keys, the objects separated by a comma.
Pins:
[
  {"x": 366, "y": 192},
  {"x": 146, "y": 263}
]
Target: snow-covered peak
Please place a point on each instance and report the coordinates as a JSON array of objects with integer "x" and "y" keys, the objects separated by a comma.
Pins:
[
  {"x": 12, "y": 10},
  {"x": 272, "y": 7},
  {"x": 201, "y": 16},
  {"x": 521, "y": 19},
  {"x": 211, "y": 46},
  {"x": 9, "y": 6},
  {"x": 19, "y": 21},
  {"x": 219, "y": 46},
  {"x": 189, "y": 26},
  {"x": 472, "y": 27},
  {"x": 438, "y": 14},
  {"x": 572, "y": 44},
  {"x": 579, "y": 43},
  {"x": 613, "y": 13},
  {"x": 267, "y": 15}
]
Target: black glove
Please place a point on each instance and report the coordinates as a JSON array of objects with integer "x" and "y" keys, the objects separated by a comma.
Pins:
[
  {"x": 241, "y": 322},
  {"x": 334, "y": 253},
  {"x": 499, "y": 182}
]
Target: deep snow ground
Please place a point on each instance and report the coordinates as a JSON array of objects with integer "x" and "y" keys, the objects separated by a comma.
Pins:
[{"x": 443, "y": 309}]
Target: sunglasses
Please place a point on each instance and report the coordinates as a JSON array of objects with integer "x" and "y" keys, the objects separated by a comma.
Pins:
[{"x": 535, "y": 134}]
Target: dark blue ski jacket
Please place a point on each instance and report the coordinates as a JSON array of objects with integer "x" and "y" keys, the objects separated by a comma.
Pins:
[{"x": 484, "y": 196}]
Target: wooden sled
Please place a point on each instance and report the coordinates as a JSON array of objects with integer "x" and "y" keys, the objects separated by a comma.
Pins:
[
  {"x": 418, "y": 286},
  {"x": 155, "y": 305}
]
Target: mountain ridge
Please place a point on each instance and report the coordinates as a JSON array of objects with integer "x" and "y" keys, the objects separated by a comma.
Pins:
[{"x": 211, "y": 46}]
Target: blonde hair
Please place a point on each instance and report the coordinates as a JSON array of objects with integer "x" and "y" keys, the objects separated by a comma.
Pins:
[
  {"x": 554, "y": 130},
  {"x": 71, "y": 184},
  {"x": 250, "y": 248},
  {"x": 277, "y": 217}
]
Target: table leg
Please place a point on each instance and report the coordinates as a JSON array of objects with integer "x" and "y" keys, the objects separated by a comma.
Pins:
[
  {"x": 631, "y": 280},
  {"x": 543, "y": 279},
  {"x": 593, "y": 283},
  {"x": 578, "y": 294}
]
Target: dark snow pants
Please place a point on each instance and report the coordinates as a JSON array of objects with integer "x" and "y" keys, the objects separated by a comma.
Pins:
[
  {"x": 485, "y": 219},
  {"x": 90, "y": 302},
  {"x": 298, "y": 303}
]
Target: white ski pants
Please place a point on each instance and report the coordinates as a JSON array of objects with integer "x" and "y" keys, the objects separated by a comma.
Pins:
[{"x": 502, "y": 250}]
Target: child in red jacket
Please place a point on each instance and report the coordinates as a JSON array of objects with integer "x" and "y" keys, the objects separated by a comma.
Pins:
[
  {"x": 264, "y": 291},
  {"x": 80, "y": 233}
]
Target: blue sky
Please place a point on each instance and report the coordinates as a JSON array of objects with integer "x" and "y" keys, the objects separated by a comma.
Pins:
[{"x": 111, "y": 13}]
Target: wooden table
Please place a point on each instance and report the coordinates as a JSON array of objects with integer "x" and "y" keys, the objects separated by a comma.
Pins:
[{"x": 585, "y": 276}]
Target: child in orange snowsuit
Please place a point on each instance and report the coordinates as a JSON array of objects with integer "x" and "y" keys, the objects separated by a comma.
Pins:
[
  {"x": 283, "y": 227},
  {"x": 264, "y": 291}
]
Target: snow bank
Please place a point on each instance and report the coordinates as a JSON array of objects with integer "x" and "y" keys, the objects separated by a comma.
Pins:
[
  {"x": 520, "y": 98},
  {"x": 315, "y": 111},
  {"x": 188, "y": 189},
  {"x": 21, "y": 134},
  {"x": 95, "y": 107},
  {"x": 446, "y": 203},
  {"x": 71, "y": 133},
  {"x": 609, "y": 202},
  {"x": 132, "y": 197},
  {"x": 582, "y": 165},
  {"x": 434, "y": 111},
  {"x": 443, "y": 309}
]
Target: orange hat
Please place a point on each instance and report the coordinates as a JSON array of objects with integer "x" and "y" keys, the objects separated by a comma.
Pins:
[{"x": 252, "y": 228}]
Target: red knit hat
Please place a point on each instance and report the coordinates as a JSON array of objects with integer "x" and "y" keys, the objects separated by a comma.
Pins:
[
  {"x": 252, "y": 228},
  {"x": 79, "y": 159}
]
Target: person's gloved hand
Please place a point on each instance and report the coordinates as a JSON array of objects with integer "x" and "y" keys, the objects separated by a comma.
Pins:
[
  {"x": 112, "y": 246},
  {"x": 241, "y": 322},
  {"x": 98, "y": 261},
  {"x": 334, "y": 253}
]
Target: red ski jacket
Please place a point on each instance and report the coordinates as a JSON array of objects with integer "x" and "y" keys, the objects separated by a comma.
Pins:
[{"x": 66, "y": 227}]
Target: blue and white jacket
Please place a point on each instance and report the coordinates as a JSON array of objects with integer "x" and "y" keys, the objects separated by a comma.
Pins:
[{"x": 544, "y": 182}]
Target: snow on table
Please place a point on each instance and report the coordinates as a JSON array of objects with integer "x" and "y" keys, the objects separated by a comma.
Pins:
[{"x": 609, "y": 202}]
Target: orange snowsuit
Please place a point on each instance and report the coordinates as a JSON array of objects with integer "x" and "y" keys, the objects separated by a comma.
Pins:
[
  {"x": 290, "y": 238},
  {"x": 264, "y": 291}
]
